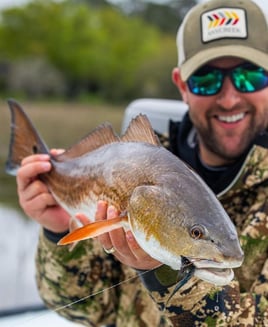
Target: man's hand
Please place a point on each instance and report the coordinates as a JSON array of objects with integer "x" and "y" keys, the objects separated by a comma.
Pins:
[
  {"x": 35, "y": 198},
  {"x": 126, "y": 249}
]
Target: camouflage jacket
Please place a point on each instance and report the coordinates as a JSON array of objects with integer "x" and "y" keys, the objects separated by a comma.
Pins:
[{"x": 92, "y": 288}]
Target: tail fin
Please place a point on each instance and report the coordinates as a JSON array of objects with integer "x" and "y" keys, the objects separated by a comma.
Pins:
[{"x": 24, "y": 139}]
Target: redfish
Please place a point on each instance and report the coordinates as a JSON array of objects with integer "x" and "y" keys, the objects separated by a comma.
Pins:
[{"x": 172, "y": 213}]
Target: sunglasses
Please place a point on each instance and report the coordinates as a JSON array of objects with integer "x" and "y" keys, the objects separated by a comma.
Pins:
[{"x": 246, "y": 78}]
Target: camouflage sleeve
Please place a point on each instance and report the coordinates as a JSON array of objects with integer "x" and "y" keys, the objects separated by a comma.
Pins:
[
  {"x": 85, "y": 285},
  {"x": 198, "y": 303}
]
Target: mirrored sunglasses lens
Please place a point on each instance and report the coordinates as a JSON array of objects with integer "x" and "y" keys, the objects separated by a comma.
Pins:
[
  {"x": 205, "y": 82},
  {"x": 250, "y": 79}
]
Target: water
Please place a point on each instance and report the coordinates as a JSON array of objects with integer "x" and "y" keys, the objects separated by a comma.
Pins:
[{"x": 18, "y": 243}]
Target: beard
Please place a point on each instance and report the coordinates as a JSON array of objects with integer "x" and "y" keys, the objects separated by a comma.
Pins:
[{"x": 219, "y": 145}]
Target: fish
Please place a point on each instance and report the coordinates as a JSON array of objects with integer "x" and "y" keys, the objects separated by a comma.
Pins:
[{"x": 172, "y": 213}]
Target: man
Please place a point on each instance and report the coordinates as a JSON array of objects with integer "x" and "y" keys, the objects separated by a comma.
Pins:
[{"x": 222, "y": 76}]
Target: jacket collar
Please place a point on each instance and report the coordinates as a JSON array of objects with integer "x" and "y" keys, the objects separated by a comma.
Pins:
[{"x": 253, "y": 172}]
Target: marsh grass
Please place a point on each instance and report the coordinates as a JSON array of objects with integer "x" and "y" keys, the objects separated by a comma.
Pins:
[{"x": 59, "y": 124}]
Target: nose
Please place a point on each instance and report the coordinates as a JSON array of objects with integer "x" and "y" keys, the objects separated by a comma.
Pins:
[{"x": 228, "y": 97}]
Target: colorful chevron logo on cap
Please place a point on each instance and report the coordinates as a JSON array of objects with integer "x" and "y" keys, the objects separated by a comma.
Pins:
[
  {"x": 223, "y": 18},
  {"x": 225, "y": 22}
]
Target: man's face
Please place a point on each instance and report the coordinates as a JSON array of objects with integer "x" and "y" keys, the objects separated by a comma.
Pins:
[{"x": 226, "y": 122}]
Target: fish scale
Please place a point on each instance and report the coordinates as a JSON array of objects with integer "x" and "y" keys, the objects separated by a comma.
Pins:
[{"x": 110, "y": 184}]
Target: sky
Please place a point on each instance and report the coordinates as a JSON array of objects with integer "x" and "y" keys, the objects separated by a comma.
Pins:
[{"x": 10, "y": 3}]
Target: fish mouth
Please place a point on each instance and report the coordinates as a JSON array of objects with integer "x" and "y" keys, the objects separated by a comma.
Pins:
[
  {"x": 218, "y": 273},
  {"x": 215, "y": 276}
]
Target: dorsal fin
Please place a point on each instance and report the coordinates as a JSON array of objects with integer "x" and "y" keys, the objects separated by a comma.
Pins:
[
  {"x": 140, "y": 130},
  {"x": 104, "y": 134}
]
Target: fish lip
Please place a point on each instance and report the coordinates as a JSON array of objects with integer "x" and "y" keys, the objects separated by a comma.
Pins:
[
  {"x": 217, "y": 276},
  {"x": 200, "y": 263}
]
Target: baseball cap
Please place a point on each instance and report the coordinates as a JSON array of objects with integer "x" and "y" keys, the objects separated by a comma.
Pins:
[{"x": 219, "y": 28}]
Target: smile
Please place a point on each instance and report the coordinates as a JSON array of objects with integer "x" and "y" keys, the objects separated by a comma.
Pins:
[{"x": 231, "y": 119}]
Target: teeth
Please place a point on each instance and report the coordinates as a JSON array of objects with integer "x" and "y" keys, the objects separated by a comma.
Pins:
[{"x": 231, "y": 119}]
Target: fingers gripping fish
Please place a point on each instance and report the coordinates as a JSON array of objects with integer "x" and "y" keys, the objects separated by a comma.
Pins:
[{"x": 171, "y": 212}]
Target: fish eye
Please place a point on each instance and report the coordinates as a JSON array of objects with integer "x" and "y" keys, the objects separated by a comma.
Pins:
[{"x": 197, "y": 232}]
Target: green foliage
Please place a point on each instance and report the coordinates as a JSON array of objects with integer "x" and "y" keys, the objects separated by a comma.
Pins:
[
  {"x": 94, "y": 49},
  {"x": 165, "y": 16},
  {"x": 154, "y": 76}
]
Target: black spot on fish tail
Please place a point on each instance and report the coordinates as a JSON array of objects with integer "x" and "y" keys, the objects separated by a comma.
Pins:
[
  {"x": 35, "y": 149},
  {"x": 185, "y": 273}
]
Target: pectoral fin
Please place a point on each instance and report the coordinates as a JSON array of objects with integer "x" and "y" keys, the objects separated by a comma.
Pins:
[{"x": 93, "y": 230}]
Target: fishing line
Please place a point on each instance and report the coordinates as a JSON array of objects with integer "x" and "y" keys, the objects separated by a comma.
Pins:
[{"x": 82, "y": 299}]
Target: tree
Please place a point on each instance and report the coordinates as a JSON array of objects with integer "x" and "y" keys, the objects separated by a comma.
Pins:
[
  {"x": 166, "y": 17},
  {"x": 96, "y": 50}
]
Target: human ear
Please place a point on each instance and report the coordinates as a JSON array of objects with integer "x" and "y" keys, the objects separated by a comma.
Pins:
[{"x": 180, "y": 84}]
